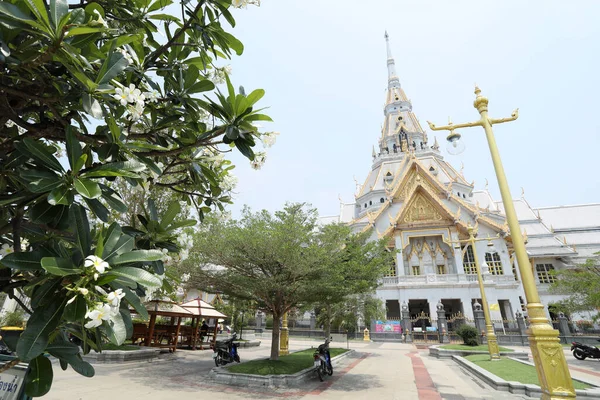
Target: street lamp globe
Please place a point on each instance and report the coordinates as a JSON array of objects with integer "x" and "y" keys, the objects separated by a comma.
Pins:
[{"x": 455, "y": 145}]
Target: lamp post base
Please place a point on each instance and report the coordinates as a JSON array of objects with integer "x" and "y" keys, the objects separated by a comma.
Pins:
[
  {"x": 548, "y": 356},
  {"x": 492, "y": 342}
]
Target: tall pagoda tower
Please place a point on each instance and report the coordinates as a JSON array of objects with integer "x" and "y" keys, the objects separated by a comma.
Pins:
[{"x": 423, "y": 206}]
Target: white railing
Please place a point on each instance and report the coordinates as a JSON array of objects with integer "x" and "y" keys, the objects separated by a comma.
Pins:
[{"x": 445, "y": 278}]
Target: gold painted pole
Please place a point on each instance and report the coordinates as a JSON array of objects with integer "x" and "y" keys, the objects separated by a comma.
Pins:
[
  {"x": 550, "y": 363},
  {"x": 284, "y": 337},
  {"x": 492, "y": 341}
]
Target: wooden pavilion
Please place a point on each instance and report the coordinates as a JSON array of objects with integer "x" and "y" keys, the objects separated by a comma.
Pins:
[
  {"x": 164, "y": 336},
  {"x": 201, "y": 310}
]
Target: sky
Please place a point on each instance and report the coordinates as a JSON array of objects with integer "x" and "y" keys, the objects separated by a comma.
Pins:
[{"x": 323, "y": 67}]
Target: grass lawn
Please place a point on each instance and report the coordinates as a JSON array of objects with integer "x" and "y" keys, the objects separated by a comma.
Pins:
[
  {"x": 123, "y": 347},
  {"x": 286, "y": 365},
  {"x": 511, "y": 370},
  {"x": 481, "y": 347}
]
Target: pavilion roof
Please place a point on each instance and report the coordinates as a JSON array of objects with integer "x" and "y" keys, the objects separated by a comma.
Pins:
[{"x": 201, "y": 308}]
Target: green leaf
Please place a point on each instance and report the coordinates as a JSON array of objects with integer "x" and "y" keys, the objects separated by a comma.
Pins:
[
  {"x": 98, "y": 209},
  {"x": 34, "y": 339},
  {"x": 91, "y": 106},
  {"x": 75, "y": 311},
  {"x": 59, "y": 196},
  {"x": 258, "y": 117},
  {"x": 113, "y": 233},
  {"x": 234, "y": 43},
  {"x": 84, "y": 30},
  {"x": 86, "y": 188},
  {"x": 73, "y": 147},
  {"x": 115, "y": 329},
  {"x": 137, "y": 275},
  {"x": 82, "y": 228},
  {"x": 159, "y": 4},
  {"x": 132, "y": 299},
  {"x": 44, "y": 293},
  {"x": 255, "y": 96},
  {"x": 23, "y": 261},
  {"x": 137, "y": 256},
  {"x": 80, "y": 366},
  {"x": 58, "y": 9},
  {"x": 80, "y": 162},
  {"x": 201, "y": 86},
  {"x": 112, "y": 67},
  {"x": 124, "y": 244},
  {"x": 38, "y": 7},
  {"x": 44, "y": 185},
  {"x": 172, "y": 212},
  {"x": 59, "y": 266},
  {"x": 62, "y": 348},
  {"x": 39, "y": 378},
  {"x": 128, "y": 169},
  {"x": 243, "y": 147},
  {"x": 40, "y": 152}
]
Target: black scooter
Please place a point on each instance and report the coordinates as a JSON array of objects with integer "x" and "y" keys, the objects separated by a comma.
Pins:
[
  {"x": 225, "y": 351},
  {"x": 582, "y": 351},
  {"x": 322, "y": 360}
]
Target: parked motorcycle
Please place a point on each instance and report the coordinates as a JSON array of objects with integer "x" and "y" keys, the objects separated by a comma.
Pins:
[
  {"x": 322, "y": 360},
  {"x": 582, "y": 351},
  {"x": 225, "y": 351}
]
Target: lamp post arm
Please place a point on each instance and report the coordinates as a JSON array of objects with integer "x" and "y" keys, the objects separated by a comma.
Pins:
[
  {"x": 512, "y": 117},
  {"x": 451, "y": 127}
]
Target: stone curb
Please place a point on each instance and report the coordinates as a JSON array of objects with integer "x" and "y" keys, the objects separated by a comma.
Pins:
[
  {"x": 584, "y": 380},
  {"x": 119, "y": 356},
  {"x": 513, "y": 387},
  {"x": 437, "y": 352},
  {"x": 251, "y": 343},
  {"x": 221, "y": 375}
]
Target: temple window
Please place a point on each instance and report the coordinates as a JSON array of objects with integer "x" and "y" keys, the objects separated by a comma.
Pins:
[
  {"x": 441, "y": 269},
  {"x": 494, "y": 263},
  {"x": 382, "y": 200},
  {"x": 544, "y": 273},
  {"x": 416, "y": 270},
  {"x": 469, "y": 260}
]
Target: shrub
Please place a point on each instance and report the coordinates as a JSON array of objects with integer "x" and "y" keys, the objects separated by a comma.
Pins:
[
  {"x": 14, "y": 318},
  {"x": 269, "y": 323},
  {"x": 468, "y": 334}
]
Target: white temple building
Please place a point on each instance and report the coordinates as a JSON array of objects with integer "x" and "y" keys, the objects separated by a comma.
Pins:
[{"x": 424, "y": 206}]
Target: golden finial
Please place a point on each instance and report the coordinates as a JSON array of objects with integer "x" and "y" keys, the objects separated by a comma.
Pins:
[
  {"x": 374, "y": 154},
  {"x": 340, "y": 198},
  {"x": 436, "y": 145},
  {"x": 392, "y": 221},
  {"x": 457, "y": 216},
  {"x": 551, "y": 229},
  {"x": 565, "y": 240},
  {"x": 538, "y": 215},
  {"x": 525, "y": 237},
  {"x": 480, "y": 102}
]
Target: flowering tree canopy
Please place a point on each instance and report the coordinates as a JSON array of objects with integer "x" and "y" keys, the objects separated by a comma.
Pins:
[{"x": 98, "y": 98}]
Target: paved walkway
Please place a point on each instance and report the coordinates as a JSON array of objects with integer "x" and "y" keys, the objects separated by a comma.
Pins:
[{"x": 377, "y": 371}]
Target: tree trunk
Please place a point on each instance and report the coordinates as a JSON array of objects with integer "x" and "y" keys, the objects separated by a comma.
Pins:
[
  {"x": 328, "y": 321},
  {"x": 275, "y": 338}
]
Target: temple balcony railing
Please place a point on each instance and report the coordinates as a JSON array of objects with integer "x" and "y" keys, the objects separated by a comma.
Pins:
[{"x": 445, "y": 279}]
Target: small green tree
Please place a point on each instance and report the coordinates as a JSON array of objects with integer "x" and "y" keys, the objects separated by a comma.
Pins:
[
  {"x": 581, "y": 286},
  {"x": 283, "y": 260}
]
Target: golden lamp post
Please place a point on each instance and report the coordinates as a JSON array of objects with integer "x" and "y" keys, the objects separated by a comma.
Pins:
[
  {"x": 284, "y": 337},
  {"x": 492, "y": 340},
  {"x": 548, "y": 356}
]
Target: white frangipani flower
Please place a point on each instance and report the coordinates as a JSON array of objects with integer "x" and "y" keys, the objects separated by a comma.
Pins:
[
  {"x": 123, "y": 95},
  {"x": 229, "y": 182},
  {"x": 24, "y": 244},
  {"x": 152, "y": 96},
  {"x": 102, "y": 312},
  {"x": 99, "y": 21},
  {"x": 114, "y": 298},
  {"x": 83, "y": 291},
  {"x": 259, "y": 160},
  {"x": 99, "y": 264},
  {"x": 6, "y": 249},
  {"x": 127, "y": 56},
  {"x": 269, "y": 138}
]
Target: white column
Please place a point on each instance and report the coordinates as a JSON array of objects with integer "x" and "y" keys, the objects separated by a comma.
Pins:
[{"x": 399, "y": 256}]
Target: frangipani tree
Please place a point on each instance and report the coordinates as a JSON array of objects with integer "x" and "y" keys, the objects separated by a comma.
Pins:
[{"x": 93, "y": 93}]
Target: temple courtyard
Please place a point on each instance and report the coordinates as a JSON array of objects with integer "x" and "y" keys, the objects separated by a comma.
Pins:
[{"x": 376, "y": 370}]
